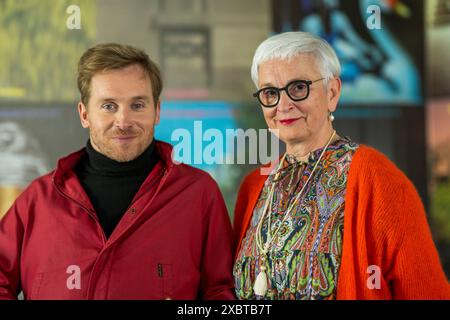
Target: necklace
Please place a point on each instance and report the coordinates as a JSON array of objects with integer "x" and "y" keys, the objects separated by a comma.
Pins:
[
  {"x": 260, "y": 286},
  {"x": 295, "y": 163}
]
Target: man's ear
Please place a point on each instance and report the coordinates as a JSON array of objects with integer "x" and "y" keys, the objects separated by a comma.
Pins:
[
  {"x": 82, "y": 111},
  {"x": 157, "y": 111},
  {"x": 334, "y": 92}
]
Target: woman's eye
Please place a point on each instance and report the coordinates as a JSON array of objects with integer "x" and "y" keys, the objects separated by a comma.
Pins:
[
  {"x": 299, "y": 87},
  {"x": 270, "y": 93}
]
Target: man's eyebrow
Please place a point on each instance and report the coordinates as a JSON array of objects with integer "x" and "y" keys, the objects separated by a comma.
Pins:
[
  {"x": 106, "y": 99},
  {"x": 144, "y": 97},
  {"x": 140, "y": 97}
]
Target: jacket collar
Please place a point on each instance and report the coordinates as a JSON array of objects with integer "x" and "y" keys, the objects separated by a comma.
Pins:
[{"x": 66, "y": 181}]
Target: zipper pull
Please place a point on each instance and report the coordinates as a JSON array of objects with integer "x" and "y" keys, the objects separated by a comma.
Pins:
[{"x": 160, "y": 270}]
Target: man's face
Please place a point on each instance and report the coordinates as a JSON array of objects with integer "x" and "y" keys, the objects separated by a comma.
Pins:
[{"x": 121, "y": 114}]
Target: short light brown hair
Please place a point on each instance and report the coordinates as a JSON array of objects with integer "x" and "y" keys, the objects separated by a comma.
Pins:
[{"x": 110, "y": 56}]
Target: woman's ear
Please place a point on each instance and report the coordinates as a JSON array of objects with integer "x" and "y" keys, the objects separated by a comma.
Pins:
[{"x": 333, "y": 93}]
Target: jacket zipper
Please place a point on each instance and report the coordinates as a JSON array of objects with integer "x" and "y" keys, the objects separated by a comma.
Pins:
[
  {"x": 89, "y": 292},
  {"x": 162, "y": 174},
  {"x": 90, "y": 285},
  {"x": 91, "y": 214},
  {"x": 160, "y": 270}
]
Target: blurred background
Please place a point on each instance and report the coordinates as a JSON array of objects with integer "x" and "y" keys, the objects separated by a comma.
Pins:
[{"x": 396, "y": 76}]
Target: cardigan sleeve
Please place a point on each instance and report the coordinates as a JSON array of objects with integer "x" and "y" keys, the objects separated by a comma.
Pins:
[
  {"x": 417, "y": 271},
  {"x": 397, "y": 235}
]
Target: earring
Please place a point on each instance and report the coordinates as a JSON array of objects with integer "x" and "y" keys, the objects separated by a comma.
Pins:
[{"x": 331, "y": 117}]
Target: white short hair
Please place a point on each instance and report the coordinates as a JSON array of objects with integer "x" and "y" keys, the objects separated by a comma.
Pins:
[{"x": 286, "y": 45}]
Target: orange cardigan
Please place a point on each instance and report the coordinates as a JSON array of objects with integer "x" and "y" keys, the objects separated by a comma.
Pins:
[{"x": 384, "y": 225}]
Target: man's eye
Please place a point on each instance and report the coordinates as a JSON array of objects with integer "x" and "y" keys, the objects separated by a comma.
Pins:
[
  {"x": 138, "y": 106},
  {"x": 109, "y": 106}
]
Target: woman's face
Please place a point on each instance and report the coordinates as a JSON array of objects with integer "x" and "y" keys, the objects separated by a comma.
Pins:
[{"x": 299, "y": 121}]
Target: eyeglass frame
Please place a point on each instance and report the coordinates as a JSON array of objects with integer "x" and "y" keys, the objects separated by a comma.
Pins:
[{"x": 285, "y": 88}]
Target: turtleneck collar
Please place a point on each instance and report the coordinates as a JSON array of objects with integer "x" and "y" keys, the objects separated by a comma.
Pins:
[{"x": 98, "y": 163}]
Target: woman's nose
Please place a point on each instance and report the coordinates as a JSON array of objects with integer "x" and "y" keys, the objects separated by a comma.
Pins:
[{"x": 285, "y": 103}]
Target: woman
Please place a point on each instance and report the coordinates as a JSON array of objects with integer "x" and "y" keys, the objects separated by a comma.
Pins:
[{"x": 334, "y": 219}]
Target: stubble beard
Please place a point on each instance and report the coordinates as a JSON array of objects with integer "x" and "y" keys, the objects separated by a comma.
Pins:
[{"x": 126, "y": 153}]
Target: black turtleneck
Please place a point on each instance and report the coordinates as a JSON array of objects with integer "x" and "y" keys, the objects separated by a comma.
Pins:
[{"x": 112, "y": 185}]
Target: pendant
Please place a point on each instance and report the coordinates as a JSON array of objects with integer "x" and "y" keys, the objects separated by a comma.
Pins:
[{"x": 260, "y": 287}]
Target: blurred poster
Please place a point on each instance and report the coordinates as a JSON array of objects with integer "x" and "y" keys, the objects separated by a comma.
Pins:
[
  {"x": 438, "y": 123},
  {"x": 38, "y": 52},
  {"x": 438, "y": 134},
  {"x": 190, "y": 124},
  {"x": 32, "y": 138},
  {"x": 38, "y": 55},
  {"x": 21, "y": 161},
  {"x": 187, "y": 49},
  {"x": 379, "y": 44}
]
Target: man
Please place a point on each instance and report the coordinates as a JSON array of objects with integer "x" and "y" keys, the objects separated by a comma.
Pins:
[{"x": 118, "y": 219}]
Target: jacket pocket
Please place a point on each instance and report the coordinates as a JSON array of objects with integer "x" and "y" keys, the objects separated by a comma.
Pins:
[
  {"x": 165, "y": 276},
  {"x": 35, "y": 287},
  {"x": 53, "y": 285}
]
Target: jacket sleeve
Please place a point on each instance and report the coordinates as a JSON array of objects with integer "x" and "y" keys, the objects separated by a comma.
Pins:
[
  {"x": 11, "y": 235},
  {"x": 217, "y": 261}
]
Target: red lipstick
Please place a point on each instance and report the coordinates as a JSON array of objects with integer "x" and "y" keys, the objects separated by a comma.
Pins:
[{"x": 287, "y": 122}]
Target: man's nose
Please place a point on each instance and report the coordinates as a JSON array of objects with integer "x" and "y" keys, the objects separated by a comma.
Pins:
[{"x": 123, "y": 119}]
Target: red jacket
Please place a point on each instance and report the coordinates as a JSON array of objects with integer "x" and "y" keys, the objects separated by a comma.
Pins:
[{"x": 173, "y": 242}]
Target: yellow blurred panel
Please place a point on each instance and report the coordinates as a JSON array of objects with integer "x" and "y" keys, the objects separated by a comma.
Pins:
[
  {"x": 12, "y": 92},
  {"x": 7, "y": 196}
]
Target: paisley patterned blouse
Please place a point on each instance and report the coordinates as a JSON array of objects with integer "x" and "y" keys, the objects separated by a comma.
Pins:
[{"x": 304, "y": 258}]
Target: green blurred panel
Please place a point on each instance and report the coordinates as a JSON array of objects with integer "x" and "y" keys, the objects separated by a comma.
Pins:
[
  {"x": 440, "y": 212},
  {"x": 38, "y": 52}
]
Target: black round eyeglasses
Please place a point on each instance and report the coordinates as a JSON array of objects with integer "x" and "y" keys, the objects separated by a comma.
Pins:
[{"x": 296, "y": 90}]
